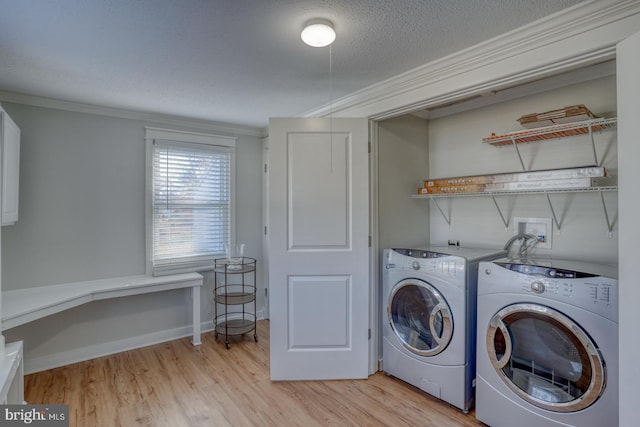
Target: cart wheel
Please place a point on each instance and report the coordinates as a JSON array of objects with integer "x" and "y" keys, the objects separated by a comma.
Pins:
[
  {"x": 255, "y": 337},
  {"x": 226, "y": 344}
]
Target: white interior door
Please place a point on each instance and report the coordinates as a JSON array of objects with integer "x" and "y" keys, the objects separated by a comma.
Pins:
[{"x": 318, "y": 248}]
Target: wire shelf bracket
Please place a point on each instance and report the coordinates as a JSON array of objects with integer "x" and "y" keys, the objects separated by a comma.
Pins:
[
  {"x": 553, "y": 132},
  {"x": 446, "y": 218},
  {"x": 558, "y": 223},
  {"x": 553, "y": 213},
  {"x": 495, "y": 202},
  {"x": 610, "y": 224}
]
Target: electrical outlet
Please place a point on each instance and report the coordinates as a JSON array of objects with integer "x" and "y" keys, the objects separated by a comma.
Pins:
[{"x": 539, "y": 227}]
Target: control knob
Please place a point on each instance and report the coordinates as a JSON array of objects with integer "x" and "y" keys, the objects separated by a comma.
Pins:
[
  {"x": 415, "y": 265},
  {"x": 537, "y": 287}
]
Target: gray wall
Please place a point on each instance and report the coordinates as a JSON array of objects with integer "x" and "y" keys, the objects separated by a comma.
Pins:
[
  {"x": 82, "y": 217},
  {"x": 81, "y": 199},
  {"x": 402, "y": 167}
]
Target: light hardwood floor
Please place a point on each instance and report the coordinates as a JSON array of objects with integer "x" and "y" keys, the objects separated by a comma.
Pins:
[{"x": 176, "y": 384}]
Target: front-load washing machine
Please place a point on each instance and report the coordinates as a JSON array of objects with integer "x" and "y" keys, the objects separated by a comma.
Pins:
[
  {"x": 547, "y": 352},
  {"x": 429, "y": 318}
]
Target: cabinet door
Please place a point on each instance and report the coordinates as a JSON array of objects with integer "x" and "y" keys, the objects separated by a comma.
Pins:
[{"x": 10, "y": 169}]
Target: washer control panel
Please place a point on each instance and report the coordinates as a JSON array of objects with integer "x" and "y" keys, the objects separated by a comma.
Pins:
[
  {"x": 432, "y": 266},
  {"x": 419, "y": 253},
  {"x": 434, "y": 263}
]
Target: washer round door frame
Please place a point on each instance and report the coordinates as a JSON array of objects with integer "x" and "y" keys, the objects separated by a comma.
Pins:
[
  {"x": 442, "y": 308},
  {"x": 591, "y": 352}
]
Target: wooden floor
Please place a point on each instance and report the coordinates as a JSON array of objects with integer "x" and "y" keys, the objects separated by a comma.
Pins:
[{"x": 176, "y": 384}]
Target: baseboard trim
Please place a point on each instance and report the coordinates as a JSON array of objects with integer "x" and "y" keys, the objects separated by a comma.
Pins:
[{"x": 56, "y": 360}]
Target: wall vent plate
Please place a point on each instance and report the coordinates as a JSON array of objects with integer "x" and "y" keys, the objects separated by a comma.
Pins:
[{"x": 539, "y": 227}]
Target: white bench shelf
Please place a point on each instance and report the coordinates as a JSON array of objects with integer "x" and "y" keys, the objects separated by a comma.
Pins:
[
  {"x": 21, "y": 306},
  {"x": 12, "y": 375}
]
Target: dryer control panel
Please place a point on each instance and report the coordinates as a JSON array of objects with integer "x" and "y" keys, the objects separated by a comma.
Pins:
[
  {"x": 590, "y": 291},
  {"x": 537, "y": 270}
]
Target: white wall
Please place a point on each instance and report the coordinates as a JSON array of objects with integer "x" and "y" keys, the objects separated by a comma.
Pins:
[
  {"x": 456, "y": 149},
  {"x": 82, "y": 216}
]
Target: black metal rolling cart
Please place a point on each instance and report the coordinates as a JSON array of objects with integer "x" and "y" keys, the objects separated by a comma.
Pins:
[{"x": 235, "y": 298}]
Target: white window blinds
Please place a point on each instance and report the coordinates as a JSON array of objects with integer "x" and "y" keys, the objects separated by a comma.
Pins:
[{"x": 191, "y": 204}]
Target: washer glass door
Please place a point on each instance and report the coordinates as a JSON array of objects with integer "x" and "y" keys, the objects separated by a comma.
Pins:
[
  {"x": 545, "y": 357},
  {"x": 420, "y": 317}
]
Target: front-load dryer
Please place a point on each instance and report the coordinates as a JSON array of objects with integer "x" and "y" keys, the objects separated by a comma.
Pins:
[
  {"x": 429, "y": 318},
  {"x": 547, "y": 352}
]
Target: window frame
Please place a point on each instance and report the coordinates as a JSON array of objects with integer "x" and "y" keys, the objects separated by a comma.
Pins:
[{"x": 181, "y": 137}]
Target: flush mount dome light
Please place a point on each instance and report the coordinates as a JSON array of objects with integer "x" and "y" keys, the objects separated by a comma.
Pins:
[{"x": 318, "y": 33}]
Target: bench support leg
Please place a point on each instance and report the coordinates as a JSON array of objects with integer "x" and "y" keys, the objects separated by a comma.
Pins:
[{"x": 195, "y": 296}]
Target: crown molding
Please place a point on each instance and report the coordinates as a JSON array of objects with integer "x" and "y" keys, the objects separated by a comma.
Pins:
[
  {"x": 584, "y": 74},
  {"x": 151, "y": 118},
  {"x": 576, "y": 37}
]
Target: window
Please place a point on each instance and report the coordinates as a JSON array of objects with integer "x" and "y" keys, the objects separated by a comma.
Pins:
[{"x": 191, "y": 206}]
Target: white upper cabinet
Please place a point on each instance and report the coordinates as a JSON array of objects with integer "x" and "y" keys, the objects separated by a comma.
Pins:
[{"x": 10, "y": 144}]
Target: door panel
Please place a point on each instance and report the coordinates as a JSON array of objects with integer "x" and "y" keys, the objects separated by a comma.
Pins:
[
  {"x": 318, "y": 248},
  {"x": 317, "y": 328},
  {"x": 318, "y": 212}
]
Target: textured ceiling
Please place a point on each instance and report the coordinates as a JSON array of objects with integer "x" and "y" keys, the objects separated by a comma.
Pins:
[{"x": 233, "y": 61}]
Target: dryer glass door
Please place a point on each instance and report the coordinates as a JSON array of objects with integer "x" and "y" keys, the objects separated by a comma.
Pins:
[
  {"x": 545, "y": 357},
  {"x": 420, "y": 317}
]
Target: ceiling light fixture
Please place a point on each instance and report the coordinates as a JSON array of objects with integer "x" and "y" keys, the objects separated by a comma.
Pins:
[{"x": 318, "y": 33}]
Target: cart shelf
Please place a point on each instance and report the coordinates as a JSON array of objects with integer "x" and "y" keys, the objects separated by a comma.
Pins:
[{"x": 234, "y": 297}]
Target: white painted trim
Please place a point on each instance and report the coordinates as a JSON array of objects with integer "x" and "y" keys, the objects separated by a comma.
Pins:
[
  {"x": 375, "y": 320},
  {"x": 168, "y": 120},
  {"x": 628, "y": 94},
  {"x": 265, "y": 223},
  {"x": 583, "y": 35},
  {"x": 563, "y": 80},
  {"x": 192, "y": 137}
]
